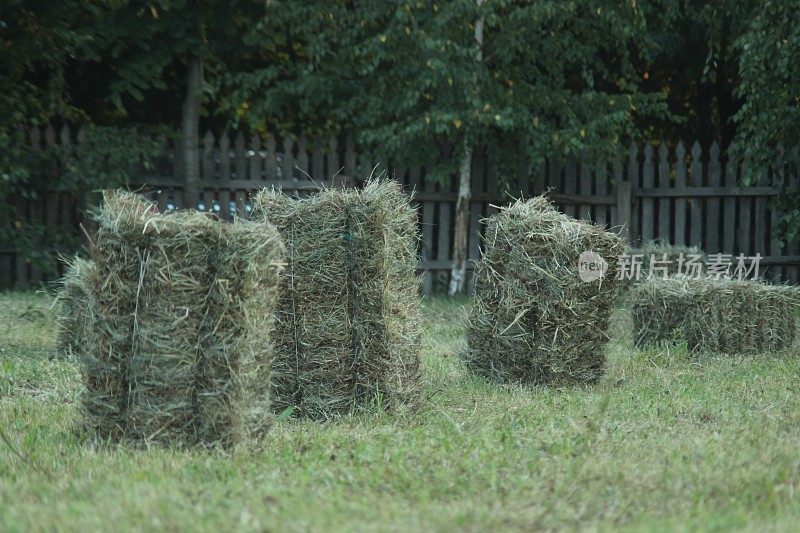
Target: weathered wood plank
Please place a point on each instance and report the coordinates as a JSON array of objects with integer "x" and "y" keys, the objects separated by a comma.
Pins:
[
  {"x": 287, "y": 160},
  {"x": 712, "y": 222},
  {"x": 318, "y": 160},
  {"x": 207, "y": 160},
  {"x": 271, "y": 160},
  {"x": 570, "y": 185},
  {"x": 335, "y": 172},
  {"x": 224, "y": 157},
  {"x": 729, "y": 209},
  {"x": 302, "y": 161},
  {"x": 679, "y": 238},
  {"x": 255, "y": 160},
  {"x": 634, "y": 181},
  {"x": 793, "y": 247},
  {"x": 601, "y": 212},
  {"x": 240, "y": 157},
  {"x": 585, "y": 188},
  {"x": 760, "y": 222},
  {"x": 617, "y": 176},
  {"x": 427, "y": 223},
  {"x": 664, "y": 212},
  {"x": 648, "y": 205},
  {"x": 745, "y": 208},
  {"x": 696, "y": 179}
]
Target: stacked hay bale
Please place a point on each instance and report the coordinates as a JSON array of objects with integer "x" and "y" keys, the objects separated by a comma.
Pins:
[
  {"x": 740, "y": 317},
  {"x": 347, "y": 323},
  {"x": 533, "y": 319},
  {"x": 74, "y": 301},
  {"x": 178, "y": 351},
  {"x": 715, "y": 315},
  {"x": 658, "y": 309}
]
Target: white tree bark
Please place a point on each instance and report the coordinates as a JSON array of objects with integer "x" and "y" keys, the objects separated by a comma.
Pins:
[{"x": 461, "y": 233}]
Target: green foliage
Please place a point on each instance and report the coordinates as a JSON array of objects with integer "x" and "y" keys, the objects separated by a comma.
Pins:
[
  {"x": 107, "y": 157},
  {"x": 110, "y": 157},
  {"x": 769, "y": 70},
  {"x": 555, "y": 76}
]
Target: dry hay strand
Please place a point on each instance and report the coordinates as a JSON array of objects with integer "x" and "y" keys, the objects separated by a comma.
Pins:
[
  {"x": 658, "y": 308},
  {"x": 179, "y": 347},
  {"x": 348, "y": 318},
  {"x": 532, "y": 319},
  {"x": 74, "y": 301},
  {"x": 740, "y": 316}
]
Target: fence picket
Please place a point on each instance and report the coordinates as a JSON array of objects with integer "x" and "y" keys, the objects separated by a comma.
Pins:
[
  {"x": 585, "y": 210},
  {"x": 680, "y": 203},
  {"x": 634, "y": 183},
  {"x": 729, "y": 209},
  {"x": 240, "y": 164},
  {"x": 712, "y": 204},
  {"x": 648, "y": 204},
  {"x": 224, "y": 157},
  {"x": 664, "y": 212},
  {"x": 696, "y": 176},
  {"x": 570, "y": 185},
  {"x": 601, "y": 212},
  {"x": 702, "y": 204}
]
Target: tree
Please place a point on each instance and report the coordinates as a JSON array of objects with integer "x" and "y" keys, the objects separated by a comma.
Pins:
[
  {"x": 164, "y": 40},
  {"x": 769, "y": 120},
  {"x": 553, "y": 76}
]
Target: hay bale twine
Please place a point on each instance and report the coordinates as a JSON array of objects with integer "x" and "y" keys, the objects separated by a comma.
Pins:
[
  {"x": 658, "y": 309},
  {"x": 74, "y": 301},
  {"x": 347, "y": 323},
  {"x": 532, "y": 318},
  {"x": 740, "y": 316},
  {"x": 179, "y": 299}
]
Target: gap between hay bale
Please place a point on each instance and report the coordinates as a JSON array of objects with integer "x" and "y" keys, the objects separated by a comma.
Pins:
[
  {"x": 347, "y": 322},
  {"x": 532, "y": 318}
]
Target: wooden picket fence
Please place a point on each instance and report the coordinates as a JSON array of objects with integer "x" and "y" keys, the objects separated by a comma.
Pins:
[{"x": 650, "y": 193}]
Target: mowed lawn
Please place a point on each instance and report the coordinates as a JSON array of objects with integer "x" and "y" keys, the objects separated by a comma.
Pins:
[{"x": 665, "y": 441}]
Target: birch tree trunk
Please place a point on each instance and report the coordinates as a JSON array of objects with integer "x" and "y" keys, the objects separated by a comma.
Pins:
[
  {"x": 190, "y": 131},
  {"x": 461, "y": 233}
]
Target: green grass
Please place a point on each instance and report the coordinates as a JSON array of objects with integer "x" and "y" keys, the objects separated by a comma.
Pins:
[{"x": 663, "y": 442}]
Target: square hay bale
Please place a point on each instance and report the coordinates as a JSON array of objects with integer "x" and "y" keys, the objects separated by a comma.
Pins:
[
  {"x": 740, "y": 316},
  {"x": 179, "y": 347},
  {"x": 658, "y": 308},
  {"x": 533, "y": 319},
  {"x": 74, "y": 301},
  {"x": 347, "y": 324}
]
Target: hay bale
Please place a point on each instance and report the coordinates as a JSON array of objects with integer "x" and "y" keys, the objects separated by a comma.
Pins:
[
  {"x": 180, "y": 343},
  {"x": 663, "y": 251},
  {"x": 740, "y": 316},
  {"x": 347, "y": 323},
  {"x": 658, "y": 309},
  {"x": 532, "y": 318},
  {"x": 74, "y": 301}
]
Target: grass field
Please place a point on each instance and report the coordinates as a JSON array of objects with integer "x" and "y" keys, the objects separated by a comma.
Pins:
[{"x": 663, "y": 442}]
